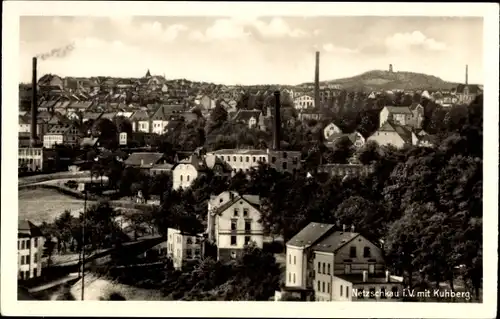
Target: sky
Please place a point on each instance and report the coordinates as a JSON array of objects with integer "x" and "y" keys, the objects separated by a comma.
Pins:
[{"x": 256, "y": 50}]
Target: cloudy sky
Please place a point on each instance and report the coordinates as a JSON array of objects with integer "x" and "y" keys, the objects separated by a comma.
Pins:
[{"x": 253, "y": 50}]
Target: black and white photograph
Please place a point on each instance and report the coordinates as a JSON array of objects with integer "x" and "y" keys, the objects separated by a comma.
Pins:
[{"x": 233, "y": 152}]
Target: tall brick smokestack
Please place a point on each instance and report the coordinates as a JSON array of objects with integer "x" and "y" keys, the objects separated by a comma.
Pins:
[
  {"x": 277, "y": 122},
  {"x": 466, "y": 74},
  {"x": 34, "y": 104},
  {"x": 316, "y": 82}
]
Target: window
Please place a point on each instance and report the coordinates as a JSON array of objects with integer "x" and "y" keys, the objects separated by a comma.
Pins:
[
  {"x": 35, "y": 258},
  {"x": 372, "y": 293},
  {"x": 319, "y": 267},
  {"x": 233, "y": 240},
  {"x": 294, "y": 260},
  {"x": 382, "y": 293},
  {"x": 28, "y": 261},
  {"x": 245, "y": 212},
  {"x": 248, "y": 225},
  {"x": 347, "y": 291},
  {"x": 36, "y": 242},
  {"x": 236, "y": 212},
  {"x": 319, "y": 285},
  {"x": 347, "y": 269},
  {"x": 290, "y": 259},
  {"x": 341, "y": 290},
  {"x": 295, "y": 160},
  {"x": 328, "y": 288},
  {"x": 189, "y": 254},
  {"x": 285, "y": 165},
  {"x": 352, "y": 252},
  {"x": 247, "y": 239},
  {"x": 233, "y": 225},
  {"x": 290, "y": 277},
  {"x": 366, "y": 252},
  {"x": 285, "y": 155},
  {"x": 228, "y": 158},
  {"x": 234, "y": 158},
  {"x": 189, "y": 241},
  {"x": 247, "y": 159},
  {"x": 241, "y": 159},
  {"x": 23, "y": 244},
  {"x": 181, "y": 178},
  {"x": 293, "y": 277},
  {"x": 323, "y": 286},
  {"x": 324, "y": 268},
  {"x": 273, "y": 160},
  {"x": 22, "y": 260},
  {"x": 221, "y": 200},
  {"x": 187, "y": 178},
  {"x": 27, "y": 274},
  {"x": 253, "y": 159},
  {"x": 35, "y": 272}
]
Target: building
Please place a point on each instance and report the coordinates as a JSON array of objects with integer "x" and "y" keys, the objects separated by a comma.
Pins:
[
  {"x": 344, "y": 169},
  {"x": 233, "y": 222},
  {"x": 189, "y": 169},
  {"x": 140, "y": 121},
  {"x": 346, "y": 265},
  {"x": 251, "y": 118},
  {"x": 144, "y": 160},
  {"x": 303, "y": 102},
  {"x": 403, "y": 115},
  {"x": 30, "y": 243},
  {"x": 159, "y": 169},
  {"x": 355, "y": 138},
  {"x": 394, "y": 134},
  {"x": 61, "y": 135},
  {"x": 36, "y": 159},
  {"x": 305, "y": 115},
  {"x": 184, "y": 248},
  {"x": 466, "y": 93},
  {"x": 243, "y": 160},
  {"x": 331, "y": 129},
  {"x": 163, "y": 115},
  {"x": 207, "y": 103}
]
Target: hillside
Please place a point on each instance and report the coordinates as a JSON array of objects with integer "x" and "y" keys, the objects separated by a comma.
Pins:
[{"x": 385, "y": 80}]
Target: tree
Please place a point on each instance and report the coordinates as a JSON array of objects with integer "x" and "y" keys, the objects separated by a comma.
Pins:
[
  {"x": 342, "y": 150},
  {"x": 218, "y": 117},
  {"x": 368, "y": 153}
]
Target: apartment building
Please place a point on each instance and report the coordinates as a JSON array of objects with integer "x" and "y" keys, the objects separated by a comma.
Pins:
[
  {"x": 30, "y": 243},
  {"x": 183, "y": 248}
]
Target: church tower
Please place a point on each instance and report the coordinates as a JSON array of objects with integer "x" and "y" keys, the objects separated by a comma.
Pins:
[{"x": 148, "y": 74}]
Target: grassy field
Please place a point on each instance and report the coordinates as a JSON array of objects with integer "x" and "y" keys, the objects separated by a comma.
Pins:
[{"x": 41, "y": 204}]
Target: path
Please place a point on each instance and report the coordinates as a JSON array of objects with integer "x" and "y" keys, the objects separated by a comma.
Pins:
[{"x": 54, "y": 283}]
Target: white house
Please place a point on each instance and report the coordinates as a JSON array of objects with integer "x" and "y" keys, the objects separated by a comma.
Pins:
[
  {"x": 303, "y": 102},
  {"x": 394, "y": 134},
  {"x": 233, "y": 222},
  {"x": 403, "y": 115},
  {"x": 331, "y": 129},
  {"x": 61, "y": 134},
  {"x": 30, "y": 242},
  {"x": 183, "y": 248}
]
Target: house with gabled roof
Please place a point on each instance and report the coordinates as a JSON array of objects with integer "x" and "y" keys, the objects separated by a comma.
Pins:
[
  {"x": 141, "y": 121},
  {"x": 91, "y": 116},
  {"x": 233, "y": 222},
  {"x": 251, "y": 118},
  {"x": 64, "y": 134},
  {"x": 163, "y": 115},
  {"x": 391, "y": 133},
  {"x": 30, "y": 243},
  {"x": 403, "y": 115},
  {"x": 144, "y": 160},
  {"x": 355, "y": 138}
]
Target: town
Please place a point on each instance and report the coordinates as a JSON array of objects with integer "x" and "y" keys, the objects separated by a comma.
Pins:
[{"x": 182, "y": 190}]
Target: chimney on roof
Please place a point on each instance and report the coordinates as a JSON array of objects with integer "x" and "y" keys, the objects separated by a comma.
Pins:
[
  {"x": 316, "y": 81},
  {"x": 365, "y": 276},
  {"x": 277, "y": 122},
  {"x": 466, "y": 74},
  {"x": 34, "y": 104}
]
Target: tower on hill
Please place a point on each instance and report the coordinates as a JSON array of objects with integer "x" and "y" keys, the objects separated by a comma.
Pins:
[{"x": 390, "y": 68}]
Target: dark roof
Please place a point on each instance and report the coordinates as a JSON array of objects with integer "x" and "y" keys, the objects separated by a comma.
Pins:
[
  {"x": 310, "y": 234},
  {"x": 89, "y": 141},
  {"x": 92, "y": 115},
  {"x": 336, "y": 136},
  {"x": 143, "y": 159},
  {"x": 335, "y": 241},
  {"x": 60, "y": 129},
  {"x": 140, "y": 115},
  {"x": 27, "y": 228},
  {"x": 164, "y": 112},
  {"x": 403, "y": 131},
  {"x": 473, "y": 88},
  {"x": 399, "y": 109},
  {"x": 372, "y": 278},
  {"x": 164, "y": 166},
  {"x": 80, "y": 105},
  {"x": 246, "y": 115}
]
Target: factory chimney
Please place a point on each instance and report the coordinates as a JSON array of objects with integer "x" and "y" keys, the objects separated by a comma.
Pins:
[
  {"x": 466, "y": 74},
  {"x": 316, "y": 82},
  {"x": 34, "y": 105},
  {"x": 277, "y": 122}
]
